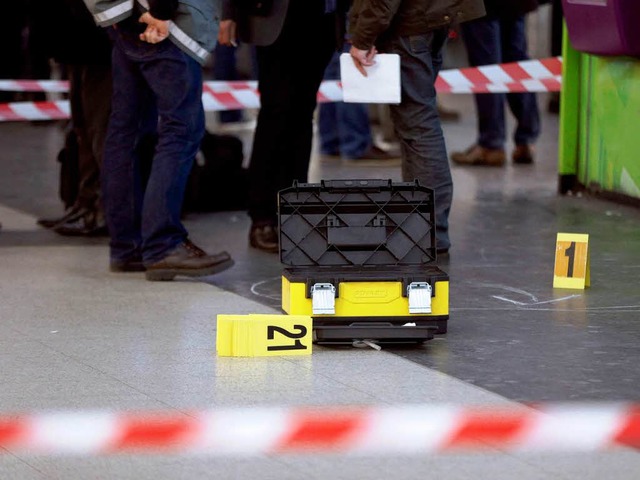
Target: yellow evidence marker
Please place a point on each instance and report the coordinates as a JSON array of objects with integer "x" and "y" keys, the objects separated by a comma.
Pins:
[
  {"x": 571, "y": 268},
  {"x": 263, "y": 335}
]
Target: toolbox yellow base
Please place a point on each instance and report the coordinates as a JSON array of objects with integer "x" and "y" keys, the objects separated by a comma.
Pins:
[{"x": 365, "y": 299}]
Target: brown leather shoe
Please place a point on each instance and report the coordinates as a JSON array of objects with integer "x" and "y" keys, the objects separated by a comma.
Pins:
[
  {"x": 264, "y": 237},
  {"x": 523, "y": 154},
  {"x": 480, "y": 156},
  {"x": 188, "y": 260}
]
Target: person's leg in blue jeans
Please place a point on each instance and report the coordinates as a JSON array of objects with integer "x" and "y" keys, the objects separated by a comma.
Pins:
[
  {"x": 161, "y": 76},
  {"x": 417, "y": 125},
  {"x": 482, "y": 40},
  {"x": 494, "y": 40},
  {"x": 343, "y": 128},
  {"x": 524, "y": 106},
  {"x": 121, "y": 185},
  {"x": 177, "y": 88}
]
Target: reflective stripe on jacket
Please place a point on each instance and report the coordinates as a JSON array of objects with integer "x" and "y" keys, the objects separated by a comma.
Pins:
[{"x": 194, "y": 29}]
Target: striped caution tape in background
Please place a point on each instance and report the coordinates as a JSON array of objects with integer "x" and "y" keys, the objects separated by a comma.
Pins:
[
  {"x": 527, "y": 76},
  {"x": 418, "y": 429}
]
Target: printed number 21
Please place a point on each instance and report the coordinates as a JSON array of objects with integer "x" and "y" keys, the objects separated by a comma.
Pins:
[
  {"x": 297, "y": 345},
  {"x": 570, "y": 253}
]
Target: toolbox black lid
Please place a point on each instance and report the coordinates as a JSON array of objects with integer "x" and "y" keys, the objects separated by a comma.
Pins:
[{"x": 356, "y": 223}]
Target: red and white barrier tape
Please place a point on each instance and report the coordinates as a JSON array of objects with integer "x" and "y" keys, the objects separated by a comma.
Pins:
[
  {"x": 543, "y": 75},
  {"x": 51, "y": 86},
  {"x": 527, "y": 76},
  {"x": 367, "y": 430},
  {"x": 19, "y": 111}
]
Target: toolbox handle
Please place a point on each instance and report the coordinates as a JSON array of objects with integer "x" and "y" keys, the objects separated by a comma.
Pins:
[{"x": 342, "y": 185}]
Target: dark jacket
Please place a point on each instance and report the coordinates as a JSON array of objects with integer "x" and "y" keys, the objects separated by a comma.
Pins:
[
  {"x": 371, "y": 20},
  {"x": 260, "y": 22},
  {"x": 507, "y": 8},
  {"x": 69, "y": 32}
]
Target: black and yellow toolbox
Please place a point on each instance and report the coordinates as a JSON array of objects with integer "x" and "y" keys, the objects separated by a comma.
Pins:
[{"x": 359, "y": 259}]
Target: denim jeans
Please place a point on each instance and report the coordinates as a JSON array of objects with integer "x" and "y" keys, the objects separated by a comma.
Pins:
[
  {"x": 417, "y": 125},
  {"x": 343, "y": 128},
  {"x": 492, "y": 40},
  {"x": 161, "y": 79}
]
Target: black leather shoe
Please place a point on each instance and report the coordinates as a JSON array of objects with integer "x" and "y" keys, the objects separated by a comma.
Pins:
[
  {"x": 72, "y": 214},
  {"x": 90, "y": 224},
  {"x": 189, "y": 260},
  {"x": 264, "y": 237}
]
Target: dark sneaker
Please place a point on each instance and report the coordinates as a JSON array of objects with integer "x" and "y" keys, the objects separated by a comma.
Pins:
[
  {"x": 480, "y": 156},
  {"x": 523, "y": 154},
  {"x": 264, "y": 237},
  {"x": 189, "y": 260}
]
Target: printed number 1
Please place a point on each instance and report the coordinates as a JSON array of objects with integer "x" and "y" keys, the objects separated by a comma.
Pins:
[
  {"x": 297, "y": 345},
  {"x": 570, "y": 253}
]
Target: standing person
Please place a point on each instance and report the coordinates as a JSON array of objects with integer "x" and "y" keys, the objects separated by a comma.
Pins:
[
  {"x": 157, "y": 65},
  {"x": 500, "y": 37},
  {"x": 88, "y": 65},
  {"x": 417, "y": 31},
  {"x": 294, "y": 43}
]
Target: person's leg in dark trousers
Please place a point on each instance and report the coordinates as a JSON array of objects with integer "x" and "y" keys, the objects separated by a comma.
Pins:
[
  {"x": 524, "y": 106},
  {"x": 225, "y": 68},
  {"x": 96, "y": 99},
  {"x": 90, "y": 99},
  {"x": 417, "y": 125},
  {"x": 289, "y": 75},
  {"x": 121, "y": 183},
  {"x": 482, "y": 39}
]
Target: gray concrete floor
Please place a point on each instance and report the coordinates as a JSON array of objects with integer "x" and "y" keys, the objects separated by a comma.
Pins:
[{"x": 75, "y": 336}]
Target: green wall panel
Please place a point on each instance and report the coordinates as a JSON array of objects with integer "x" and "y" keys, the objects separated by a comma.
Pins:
[
  {"x": 600, "y": 122},
  {"x": 613, "y": 151}
]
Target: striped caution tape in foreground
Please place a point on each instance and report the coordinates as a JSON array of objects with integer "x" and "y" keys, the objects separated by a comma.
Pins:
[
  {"x": 527, "y": 76},
  {"x": 368, "y": 430}
]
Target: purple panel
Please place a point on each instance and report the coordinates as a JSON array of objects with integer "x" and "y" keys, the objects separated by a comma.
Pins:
[{"x": 604, "y": 27}]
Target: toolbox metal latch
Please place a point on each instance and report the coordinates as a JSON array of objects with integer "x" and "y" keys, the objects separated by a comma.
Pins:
[
  {"x": 323, "y": 299},
  {"x": 419, "y": 294}
]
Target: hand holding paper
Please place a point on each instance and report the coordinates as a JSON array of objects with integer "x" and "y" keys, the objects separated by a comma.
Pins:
[
  {"x": 362, "y": 58},
  {"x": 381, "y": 83}
]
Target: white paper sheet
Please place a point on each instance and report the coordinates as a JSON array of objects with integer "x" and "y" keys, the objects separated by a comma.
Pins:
[{"x": 381, "y": 85}]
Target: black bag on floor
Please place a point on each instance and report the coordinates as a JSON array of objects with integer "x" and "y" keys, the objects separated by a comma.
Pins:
[{"x": 218, "y": 182}]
